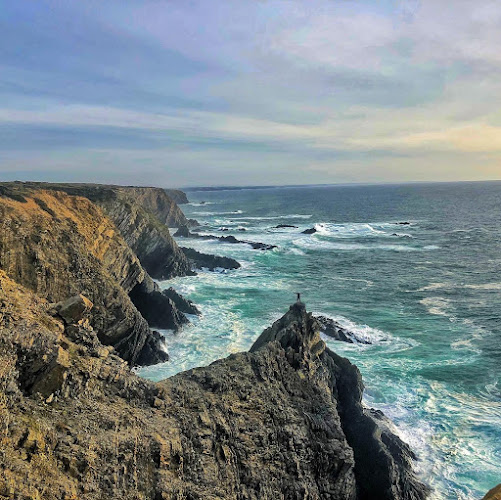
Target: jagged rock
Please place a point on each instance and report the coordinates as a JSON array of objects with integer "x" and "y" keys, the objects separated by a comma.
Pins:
[
  {"x": 334, "y": 330},
  {"x": 183, "y": 232},
  {"x": 154, "y": 350},
  {"x": 382, "y": 462},
  {"x": 74, "y": 309},
  {"x": 184, "y": 305},
  {"x": 157, "y": 308},
  {"x": 309, "y": 231},
  {"x": 211, "y": 262}
]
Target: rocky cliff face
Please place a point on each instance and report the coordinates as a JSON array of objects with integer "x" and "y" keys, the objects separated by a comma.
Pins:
[
  {"x": 59, "y": 246},
  {"x": 281, "y": 422},
  {"x": 177, "y": 195},
  {"x": 141, "y": 215}
]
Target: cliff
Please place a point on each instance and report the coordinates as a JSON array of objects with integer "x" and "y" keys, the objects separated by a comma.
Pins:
[
  {"x": 59, "y": 246},
  {"x": 142, "y": 216},
  {"x": 282, "y": 422},
  {"x": 178, "y": 196}
]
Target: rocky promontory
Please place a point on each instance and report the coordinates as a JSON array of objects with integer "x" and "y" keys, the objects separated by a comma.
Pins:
[{"x": 284, "y": 421}]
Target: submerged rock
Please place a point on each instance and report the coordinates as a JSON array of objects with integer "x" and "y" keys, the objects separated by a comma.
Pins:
[
  {"x": 284, "y": 226},
  {"x": 309, "y": 231}
]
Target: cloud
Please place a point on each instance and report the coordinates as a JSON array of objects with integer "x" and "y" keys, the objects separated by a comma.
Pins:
[{"x": 251, "y": 92}]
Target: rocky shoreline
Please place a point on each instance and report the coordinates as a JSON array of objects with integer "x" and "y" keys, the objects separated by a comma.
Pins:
[{"x": 78, "y": 310}]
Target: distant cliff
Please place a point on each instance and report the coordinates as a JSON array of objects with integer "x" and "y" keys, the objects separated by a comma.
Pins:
[
  {"x": 177, "y": 195},
  {"x": 283, "y": 422},
  {"x": 142, "y": 216}
]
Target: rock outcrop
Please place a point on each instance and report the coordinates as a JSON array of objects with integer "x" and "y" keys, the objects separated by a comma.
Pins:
[
  {"x": 183, "y": 304},
  {"x": 184, "y": 232},
  {"x": 284, "y": 421},
  {"x": 336, "y": 331},
  {"x": 211, "y": 262},
  {"x": 60, "y": 246}
]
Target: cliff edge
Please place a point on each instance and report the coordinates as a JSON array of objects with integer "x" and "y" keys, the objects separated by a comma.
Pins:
[{"x": 281, "y": 422}]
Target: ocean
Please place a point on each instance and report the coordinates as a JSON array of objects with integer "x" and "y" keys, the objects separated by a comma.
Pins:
[{"x": 415, "y": 269}]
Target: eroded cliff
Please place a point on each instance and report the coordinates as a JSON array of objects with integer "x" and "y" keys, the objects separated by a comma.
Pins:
[{"x": 276, "y": 423}]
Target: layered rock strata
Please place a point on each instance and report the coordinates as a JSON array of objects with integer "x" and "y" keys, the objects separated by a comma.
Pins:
[{"x": 59, "y": 246}]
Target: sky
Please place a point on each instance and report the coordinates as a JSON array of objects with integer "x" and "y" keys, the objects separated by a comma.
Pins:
[{"x": 250, "y": 92}]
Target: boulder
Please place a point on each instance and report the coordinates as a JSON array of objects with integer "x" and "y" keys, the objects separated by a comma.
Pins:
[
  {"x": 309, "y": 231},
  {"x": 73, "y": 309}
]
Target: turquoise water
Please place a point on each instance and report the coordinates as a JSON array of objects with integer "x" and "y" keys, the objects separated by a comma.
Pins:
[{"x": 428, "y": 295}]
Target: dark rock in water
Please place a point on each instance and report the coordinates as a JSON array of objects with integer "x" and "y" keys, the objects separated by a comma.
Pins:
[
  {"x": 283, "y": 226},
  {"x": 183, "y": 232},
  {"x": 309, "y": 231},
  {"x": 228, "y": 239},
  {"x": 223, "y": 229},
  {"x": 184, "y": 305},
  {"x": 208, "y": 261},
  {"x": 158, "y": 309},
  {"x": 154, "y": 350},
  {"x": 259, "y": 246},
  {"x": 404, "y": 223},
  {"x": 334, "y": 330},
  {"x": 193, "y": 223},
  {"x": 242, "y": 229}
]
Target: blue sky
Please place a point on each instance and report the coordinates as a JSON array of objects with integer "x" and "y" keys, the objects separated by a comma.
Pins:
[{"x": 213, "y": 92}]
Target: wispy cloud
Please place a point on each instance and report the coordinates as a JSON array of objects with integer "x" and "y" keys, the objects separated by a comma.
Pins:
[{"x": 228, "y": 92}]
